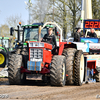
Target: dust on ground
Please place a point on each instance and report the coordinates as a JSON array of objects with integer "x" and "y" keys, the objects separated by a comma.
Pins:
[{"x": 36, "y": 91}]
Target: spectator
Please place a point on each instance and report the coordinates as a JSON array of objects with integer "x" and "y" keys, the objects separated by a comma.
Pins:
[
  {"x": 92, "y": 33},
  {"x": 77, "y": 35}
]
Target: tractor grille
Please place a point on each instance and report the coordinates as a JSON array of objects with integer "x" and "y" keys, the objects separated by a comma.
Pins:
[{"x": 36, "y": 54}]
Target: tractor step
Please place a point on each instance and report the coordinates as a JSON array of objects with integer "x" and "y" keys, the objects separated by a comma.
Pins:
[{"x": 33, "y": 76}]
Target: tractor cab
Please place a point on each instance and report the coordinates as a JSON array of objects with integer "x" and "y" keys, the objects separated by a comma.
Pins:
[
  {"x": 34, "y": 33},
  {"x": 31, "y": 32},
  {"x": 5, "y": 43}
]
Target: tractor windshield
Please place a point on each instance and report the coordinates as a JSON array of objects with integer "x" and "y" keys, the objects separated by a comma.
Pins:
[
  {"x": 0, "y": 43},
  {"x": 5, "y": 43},
  {"x": 32, "y": 33}
]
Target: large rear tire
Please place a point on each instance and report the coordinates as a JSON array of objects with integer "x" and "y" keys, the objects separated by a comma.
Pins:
[
  {"x": 14, "y": 69},
  {"x": 79, "y": 68},
  {"x": 2, "y": 59},
  {"x": 57, "y": 71},
  {"x": 70, "y": 55},
  {"x": 97, "y": 77}
]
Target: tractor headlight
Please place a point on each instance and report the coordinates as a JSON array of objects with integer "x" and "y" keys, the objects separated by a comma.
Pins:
[{"x": 36, "y": 44}]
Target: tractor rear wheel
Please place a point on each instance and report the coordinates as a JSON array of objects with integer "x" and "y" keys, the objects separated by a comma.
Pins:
[
  {"x": 14, "y": 69},
  {"x": 70, "y": 55},
  {"x": 57, "y": 71},
  {"x": 2, "y": 59},
  {"x": 97, "y": 77},
  {"x": 79, "y": 68}
]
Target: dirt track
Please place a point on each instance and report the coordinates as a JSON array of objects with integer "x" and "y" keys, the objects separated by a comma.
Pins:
[{"x": 40, "y": 92}]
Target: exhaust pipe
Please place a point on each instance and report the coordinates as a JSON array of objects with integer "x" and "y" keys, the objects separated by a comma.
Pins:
[{"x": 39, "y": 34}]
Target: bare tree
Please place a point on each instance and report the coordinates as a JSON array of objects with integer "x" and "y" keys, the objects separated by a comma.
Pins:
[
  {"x": 96, "y": 9},
  {"x": 67, "y": 14},
  {"x": 4, "y": 30},
  {"x": 39, "y": 10},
  {"x": 13, "y": 21},
  {"x": 75, "y": 12}
]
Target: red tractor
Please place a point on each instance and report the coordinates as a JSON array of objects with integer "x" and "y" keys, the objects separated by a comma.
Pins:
[{"x": 34, "y": 59}]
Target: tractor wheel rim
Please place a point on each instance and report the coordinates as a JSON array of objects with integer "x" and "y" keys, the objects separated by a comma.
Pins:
[
  {"x": 82, "y": 68},
  {"x": 2, "y": 59},
  {"x": 63, "y": 72}
]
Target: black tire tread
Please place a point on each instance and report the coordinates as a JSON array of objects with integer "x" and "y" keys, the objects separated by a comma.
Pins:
[
  {"x": 56, "y": 71},
  {"x": 14, "y": 72},
  {"x": 77, "y": 68},
  {"x": 97, "y": 77},
  {"x": 69, "y": 53}
]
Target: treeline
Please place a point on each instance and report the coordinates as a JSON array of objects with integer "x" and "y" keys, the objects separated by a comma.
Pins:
[
  {"x": 11, "y": 21},
  {"x": 66, "y": 13}
]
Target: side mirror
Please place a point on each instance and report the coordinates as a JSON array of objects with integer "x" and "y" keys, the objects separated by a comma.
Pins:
[{"x": 11, "y": 31}]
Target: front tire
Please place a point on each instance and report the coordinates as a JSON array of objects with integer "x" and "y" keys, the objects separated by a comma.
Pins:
[
  {"x": 69, "y": 53},
  {"x": 14, "y": 69},
  {"x": 57, "y": 71},
  {"x": 2, "y": 59},
  {"x": 97, "y": 77}
]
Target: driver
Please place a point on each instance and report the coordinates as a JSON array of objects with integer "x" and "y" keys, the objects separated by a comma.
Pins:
[
  {"x": 50, "y": 38},
  {"x": 92, "y": 33}
]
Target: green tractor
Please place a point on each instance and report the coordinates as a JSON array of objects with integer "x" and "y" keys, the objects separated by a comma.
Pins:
[{"x": 4, "y": 50}]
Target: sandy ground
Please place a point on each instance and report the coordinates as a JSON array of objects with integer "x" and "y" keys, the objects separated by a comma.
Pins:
[{"x": 37, "y": 91}]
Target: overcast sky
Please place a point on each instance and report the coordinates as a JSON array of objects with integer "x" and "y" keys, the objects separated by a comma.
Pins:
[{"x": 13, "y": 7}]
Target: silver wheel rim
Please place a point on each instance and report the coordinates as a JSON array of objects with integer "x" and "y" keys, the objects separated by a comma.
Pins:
[
  {"x": 82, "y": 68},
  {"x": 63, "y": 72}
]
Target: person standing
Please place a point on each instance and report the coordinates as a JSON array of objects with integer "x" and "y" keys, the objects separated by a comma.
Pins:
[{"x": 77, "y": 35}]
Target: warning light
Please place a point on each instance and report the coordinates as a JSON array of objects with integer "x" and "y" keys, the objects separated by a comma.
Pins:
[
  {"x": 14, "y": 38},
  {"x": 26, "y": 42},
  {"x": 19, "y": 23}
]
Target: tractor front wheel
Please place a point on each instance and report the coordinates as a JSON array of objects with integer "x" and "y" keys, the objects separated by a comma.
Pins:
[
  {"x": 58, "y": 71},
  {"x": 2, "y": 59},
  {"x": 69, "y": 53},
  {"x": 14, "y": 69}
]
